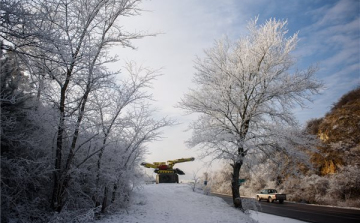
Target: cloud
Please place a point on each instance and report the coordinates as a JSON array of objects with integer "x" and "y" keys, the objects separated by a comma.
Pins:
[
  {"x": 332, "y": 41},
  {"x": 339, "y": 12}
]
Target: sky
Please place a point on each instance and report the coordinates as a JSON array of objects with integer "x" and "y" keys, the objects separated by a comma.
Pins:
[
  {"x": 329, "y": 33},
  {"x": 153, "y": 203}
]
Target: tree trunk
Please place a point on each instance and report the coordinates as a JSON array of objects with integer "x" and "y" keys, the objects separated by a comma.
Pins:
[
  {"x": 97, "y": 182},
  {"x": 114, "y": 193},
  {"x": 57, "y": 194},
  {"x": 235, "y": 186},
  {"x": 56, "y": 202},
  {"x": 104, "y": 203}
]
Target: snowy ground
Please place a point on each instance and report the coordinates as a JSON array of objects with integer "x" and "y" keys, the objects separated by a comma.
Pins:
[{"x": 177, "y": 203}]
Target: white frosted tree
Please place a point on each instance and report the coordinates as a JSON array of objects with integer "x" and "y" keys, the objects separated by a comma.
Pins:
[
  {"x": 126, "y": 118},
  {"x": 245, "y": 94},
  {"x": 64, "y": 48},
  {"x": 77, "y": 36}
]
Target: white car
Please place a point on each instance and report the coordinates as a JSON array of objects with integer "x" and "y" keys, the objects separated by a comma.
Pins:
[{"x": 271, "y": 195}]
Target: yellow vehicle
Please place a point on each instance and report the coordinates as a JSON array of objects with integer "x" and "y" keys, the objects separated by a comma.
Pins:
[{"x": 165, "y": 171}]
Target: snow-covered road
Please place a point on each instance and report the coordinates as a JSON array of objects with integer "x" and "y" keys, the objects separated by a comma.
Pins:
[{"x": 177, "y": 203}]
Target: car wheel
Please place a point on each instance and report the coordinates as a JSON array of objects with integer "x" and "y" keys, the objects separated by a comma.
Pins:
[
  {"x": 270, "y": 200},
  {"x": 281, "y": 201},
  {"x": 258, "y": 198}
]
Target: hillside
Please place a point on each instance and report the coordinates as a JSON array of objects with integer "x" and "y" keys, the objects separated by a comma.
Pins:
[{"x": 339, "y": 132}]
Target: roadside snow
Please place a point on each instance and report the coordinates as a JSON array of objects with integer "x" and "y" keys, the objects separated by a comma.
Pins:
[
  {"x": 177, "y": 203},
  {"x": 268, "y": 218}
]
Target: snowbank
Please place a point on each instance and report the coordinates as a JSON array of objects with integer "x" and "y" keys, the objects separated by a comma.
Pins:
[{"x": 177, "y": 203}]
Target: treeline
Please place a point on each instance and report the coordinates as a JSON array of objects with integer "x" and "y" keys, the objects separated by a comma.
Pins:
[
  {"x": 72, "y": 131},
  {"x": 333, "y": 176}
]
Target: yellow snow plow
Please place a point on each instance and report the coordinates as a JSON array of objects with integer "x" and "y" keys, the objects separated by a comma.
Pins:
[{"x": 165, "y": 171}]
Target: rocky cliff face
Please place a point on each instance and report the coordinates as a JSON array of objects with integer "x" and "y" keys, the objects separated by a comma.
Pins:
[
  {"x": 339, "y": 131},
  {"x": 342, "y": 124}
]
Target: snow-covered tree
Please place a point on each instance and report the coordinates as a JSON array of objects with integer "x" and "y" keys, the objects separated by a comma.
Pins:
[
  {"x": 72, "y": 42},
  {"x": 88, "y": 119},
  {"x": 125, "y": 119},
  {"x": 245, "y": 94},
  {"x": 24, "y": 166}
]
